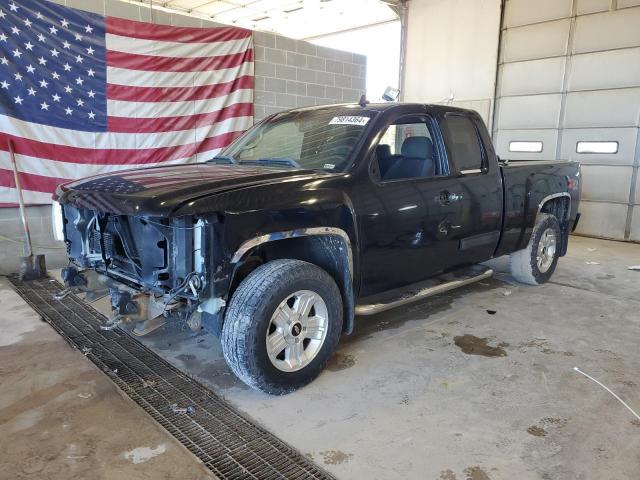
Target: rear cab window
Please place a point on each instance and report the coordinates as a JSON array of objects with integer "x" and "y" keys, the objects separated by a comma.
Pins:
[{"x": 466, "y": 151}]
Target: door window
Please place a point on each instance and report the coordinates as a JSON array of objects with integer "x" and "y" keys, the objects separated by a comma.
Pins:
[
  {"x": 464, "y": 144},
  {"x": 407, "y": 150}
]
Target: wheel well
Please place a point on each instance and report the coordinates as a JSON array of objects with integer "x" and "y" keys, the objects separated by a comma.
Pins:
[
  {"x": 329, "y": 252},
  {"x": 560, "y": 207}
]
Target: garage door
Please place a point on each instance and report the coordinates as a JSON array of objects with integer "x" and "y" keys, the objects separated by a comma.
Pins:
[{"x": 569, "y": 88}]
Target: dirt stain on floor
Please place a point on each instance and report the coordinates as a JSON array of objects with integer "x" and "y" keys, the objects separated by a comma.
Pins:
[
  {"x": 476, "y": 473},
  {"x": 472, "y": 345},
  {"x": 341, "y": 361},
  {"x": 335, "y": 457},
  {"x": 536, "y": 431},
  {"x": 447, "y": 475}
]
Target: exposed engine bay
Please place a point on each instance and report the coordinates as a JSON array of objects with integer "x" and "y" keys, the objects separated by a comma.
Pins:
[{"x": 153, "y": 269}]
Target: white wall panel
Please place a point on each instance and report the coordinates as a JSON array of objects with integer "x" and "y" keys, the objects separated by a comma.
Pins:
[
  {"x": 628, "y": 3},
  {"x": 636, "y": 199},
  {"x": 635, "y": 224},
  {"x": 542, "y": 40},
  {"x": 610, "y": 184},
  {"x": 626, "y": 138},
  {"x": 532, "y": 111},
  {"x": 604, "y": 108},
  {"x": 592, "y": 6},
  {"x": 603, "y": 31},
  {"x": 533, "y": 76},
  {"x": 602, "y": 219},
  {"x": 592, "y": 71},
  {"x": 549, "y": 139},
  {"x": 523, "y": 12}
]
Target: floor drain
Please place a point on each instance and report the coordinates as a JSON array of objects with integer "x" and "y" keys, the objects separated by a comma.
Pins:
[{"x": 225, "y": 440}]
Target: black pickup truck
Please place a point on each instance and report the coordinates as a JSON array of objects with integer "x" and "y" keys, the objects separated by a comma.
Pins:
[{"x": 312, "y": 217}]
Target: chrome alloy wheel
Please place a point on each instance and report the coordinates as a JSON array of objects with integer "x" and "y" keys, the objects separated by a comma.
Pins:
[
  {"x": 297, "y": 330},
  {"x": 546, "y": 250}
]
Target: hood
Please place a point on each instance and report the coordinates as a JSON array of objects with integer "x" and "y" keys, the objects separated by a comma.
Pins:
[{"x": 159, "y": 191}]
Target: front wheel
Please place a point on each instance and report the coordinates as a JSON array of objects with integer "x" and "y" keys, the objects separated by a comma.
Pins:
[
  {"x": 535, "y": 264},
  {"x": 283, "y": 323}
]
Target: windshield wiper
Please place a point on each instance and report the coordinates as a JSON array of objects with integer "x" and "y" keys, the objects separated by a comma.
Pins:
[
  {"x": 222, "y": 160},
  {"x": 272, "y": 162}
]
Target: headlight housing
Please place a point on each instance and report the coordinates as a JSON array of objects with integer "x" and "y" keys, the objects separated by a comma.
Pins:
[{"x": 57, "y": 222}]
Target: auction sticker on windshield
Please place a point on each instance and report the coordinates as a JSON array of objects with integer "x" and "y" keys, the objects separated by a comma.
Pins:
[{"x": 349, "y": 120}]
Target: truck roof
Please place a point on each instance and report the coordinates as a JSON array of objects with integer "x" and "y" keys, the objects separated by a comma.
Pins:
[{"x": 383, "y": 106}]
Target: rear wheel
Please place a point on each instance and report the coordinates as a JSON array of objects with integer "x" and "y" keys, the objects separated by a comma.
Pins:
[
  {"x": 535, "y": 264},
  {"x": 283, "y": 323}
]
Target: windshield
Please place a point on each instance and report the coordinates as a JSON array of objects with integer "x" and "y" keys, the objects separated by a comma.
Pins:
[{"x": 313, "y": 139}]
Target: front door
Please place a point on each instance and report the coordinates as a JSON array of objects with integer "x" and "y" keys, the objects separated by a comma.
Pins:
[{"x": 410, "y": 215}]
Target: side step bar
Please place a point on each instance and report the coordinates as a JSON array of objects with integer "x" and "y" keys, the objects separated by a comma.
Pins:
[{"x": 418, "y": 291}]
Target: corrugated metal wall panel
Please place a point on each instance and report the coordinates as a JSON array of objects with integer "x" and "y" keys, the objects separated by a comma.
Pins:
[
  {"x": 524, "y": 12},
  {"x": 543, "y": 40},
  {"x": 606, "y": 184},
  {"x": 569, "y": 73},
  {"x": 533, "y": 76}
]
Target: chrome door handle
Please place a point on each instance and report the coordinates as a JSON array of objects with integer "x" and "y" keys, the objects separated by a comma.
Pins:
[{"x": 454, "y": 197}]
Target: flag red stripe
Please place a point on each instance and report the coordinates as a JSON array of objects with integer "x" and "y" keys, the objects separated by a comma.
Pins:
[
  {"x": 30, "y": 181},
  {"x": 150, "y": 31},
  {"x": 176, "y": 94},
  {"x": 172, "y": 64},
  {"x": 63, "y": 153},
  {"x": 168, "y": 124}
]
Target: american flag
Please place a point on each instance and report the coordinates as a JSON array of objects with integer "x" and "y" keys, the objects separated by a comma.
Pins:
[{"x": 82, "y": 94}]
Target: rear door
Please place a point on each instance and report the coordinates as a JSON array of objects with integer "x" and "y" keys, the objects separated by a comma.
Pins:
[{"x": 478, "y": 188}]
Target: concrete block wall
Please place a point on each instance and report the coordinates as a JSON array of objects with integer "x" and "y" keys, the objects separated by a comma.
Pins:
[{"x": 294, "y": 73}]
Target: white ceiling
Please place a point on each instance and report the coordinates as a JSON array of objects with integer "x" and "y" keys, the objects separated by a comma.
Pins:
[{"x": 292, "y": 18}]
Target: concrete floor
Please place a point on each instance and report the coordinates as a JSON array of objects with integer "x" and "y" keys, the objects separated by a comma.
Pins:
[{"x": 415, "y": 393}]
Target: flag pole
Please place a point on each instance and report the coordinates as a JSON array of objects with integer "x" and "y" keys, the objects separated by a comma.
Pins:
[
  {"x": 29, "y": 270},
  {"x": 25, "y": 224}
]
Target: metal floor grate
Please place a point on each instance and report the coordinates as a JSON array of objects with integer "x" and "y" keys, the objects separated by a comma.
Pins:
[{"x": 228, "y": 443}]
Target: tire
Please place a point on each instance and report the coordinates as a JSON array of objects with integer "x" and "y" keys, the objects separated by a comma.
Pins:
[
  {"x": 258, "y": 309},
  {"x": 525, "y": 266}
]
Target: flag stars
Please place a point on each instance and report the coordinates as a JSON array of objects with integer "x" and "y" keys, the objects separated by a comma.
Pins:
[
  {"x": 4, "y": 84},
  {"x": 66, "y": 45},
  {"x": 64, "y": 23},
  {"x": 79, "y": 81},
  {"x": 88, "y": 29},
  {"x": 68, "y": 111},
  {"x": 39, "y": 16},
  {"x": 56, "y": 97},
  {"x": 90, "y": 72},
  {"x": 28, "y": 46},
  {"x": 28, "y": 22},
  {"x": 44, "y": 106},
  {"x": 18, "y": 76},
  {"x": 53, "y": 30},
  {"x": 42, "y": 61},
  {"x": 55, "y": 75},
  {"x": 66, "y": 67},
  {"x": 17, "y": 53},
  {"x": 78, "y": 36},
  {"x": 31, "y": 91},
  {"x": 41, "y": 37},
  {"x": 13, "y": 7},
  {"x": 3, "y": 37},
  {"x": 44, "y": 83},
  {"x": 30, "y": 68},
  {"x": 91, "y": 93},
  {"x": 15, "y": 30},
  {"x": 68, "y": 89},
  {"x": 54, "y": 53},
  {"x": 80, "y": 102},
  {"x": 18, "y": 100},
  {"x": 4, "y": 61},
  {"x": 2, "y": 14},
  {"x": 78, "y": 59},
  {"x": 92, "y": 115},
  {"x": 90, "y": 51}
]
